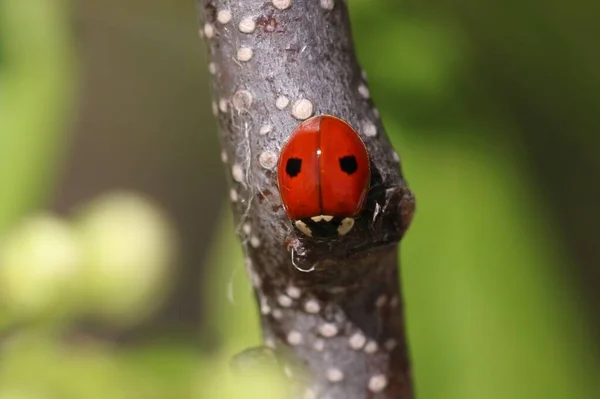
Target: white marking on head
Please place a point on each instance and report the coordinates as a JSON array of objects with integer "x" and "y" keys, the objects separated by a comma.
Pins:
[
  {"x": 215, "y": 108},
  {"x": 377, "y": 383},
  {"x": 302, "y": 109},
  {"x": 395, "y": 157},
  {"x": 233, "y": 195},
  {"x": 345, "y": 226},
  {"x": 277, "y": 313},
  {"x": 247, "y": 25},
  {"x": 300, "y": 225}
]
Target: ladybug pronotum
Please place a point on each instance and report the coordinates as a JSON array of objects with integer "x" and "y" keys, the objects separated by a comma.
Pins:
[{"x": 323, "y": 175}]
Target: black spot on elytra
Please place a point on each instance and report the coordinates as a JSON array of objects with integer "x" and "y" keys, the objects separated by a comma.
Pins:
[
  {"x": 293, "y": 166},
  {"x": 348, "y": 164}
]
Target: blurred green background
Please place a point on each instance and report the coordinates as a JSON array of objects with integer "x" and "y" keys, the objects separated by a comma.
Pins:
[{"x": 120, "y": 275}]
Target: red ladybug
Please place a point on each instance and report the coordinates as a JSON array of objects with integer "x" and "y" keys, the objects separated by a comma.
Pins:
[{"x": 323, "y": 174}]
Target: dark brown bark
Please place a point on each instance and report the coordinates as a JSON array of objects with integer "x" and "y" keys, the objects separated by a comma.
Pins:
[{"x": 334, "y": 305}]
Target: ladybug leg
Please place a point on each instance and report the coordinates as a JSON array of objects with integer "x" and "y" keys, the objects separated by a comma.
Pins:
[
  {"x": 345, "y": 226},
  {"x": 303, "y": 227}
]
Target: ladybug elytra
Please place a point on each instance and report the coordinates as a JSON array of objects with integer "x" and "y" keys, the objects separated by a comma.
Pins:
[{"x": 323, "y": 175}]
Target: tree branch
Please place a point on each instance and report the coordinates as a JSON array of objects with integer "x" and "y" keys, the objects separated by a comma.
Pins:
[{"x": 335, "y": 305}]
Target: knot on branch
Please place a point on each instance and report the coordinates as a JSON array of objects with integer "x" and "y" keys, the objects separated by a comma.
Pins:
[{"x": 383, "y": 222}]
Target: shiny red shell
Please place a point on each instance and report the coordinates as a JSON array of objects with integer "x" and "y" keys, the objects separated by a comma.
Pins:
[{"x": 323, "y": 169}]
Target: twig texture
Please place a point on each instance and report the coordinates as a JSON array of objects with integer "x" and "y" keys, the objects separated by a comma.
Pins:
[{"x": 335, "y": 305}]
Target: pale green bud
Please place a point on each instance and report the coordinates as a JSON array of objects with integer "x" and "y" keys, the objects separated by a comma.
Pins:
[
  {"x": 128, "y": 247},
  {"x": 38, "y": 264}
]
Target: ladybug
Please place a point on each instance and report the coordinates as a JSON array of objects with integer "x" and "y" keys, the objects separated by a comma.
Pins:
[{"x": 323, "y": 174}]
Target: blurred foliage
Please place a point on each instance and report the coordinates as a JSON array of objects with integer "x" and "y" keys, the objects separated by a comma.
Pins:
[
  {"x": 233, "y": 316},
  {"x": 54, "y": 270},
  {"x": 58, "y": 273},
  {"x": 492, "y": 311},
  {"x": 36, "y": 76},
  {"x": 125, "y": 236}
]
